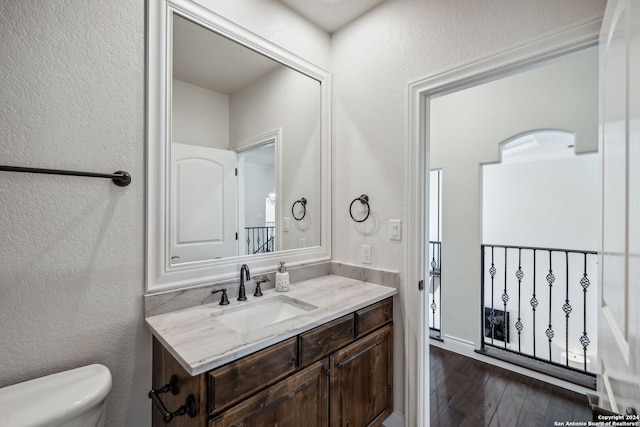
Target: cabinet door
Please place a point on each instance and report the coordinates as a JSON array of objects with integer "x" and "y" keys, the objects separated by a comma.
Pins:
[
  {"x": 300, "y": 400},
  {"x": 362, "y": 381}
]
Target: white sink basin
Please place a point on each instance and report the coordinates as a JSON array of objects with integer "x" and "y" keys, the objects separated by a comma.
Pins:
[{"x": 250, "y": 316}]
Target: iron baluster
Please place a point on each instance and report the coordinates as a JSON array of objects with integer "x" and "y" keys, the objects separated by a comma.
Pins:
[
  {"x": 433, "y": 284},
  {"x": 584, "y": 339},
  {"x": 440, "y": 283},
  {"x": 492, "y": 318},
  {"x": 534, "y": 303},
  {"x": 505, "y": 299},
  {"x": 550, "y": 279},
  {"x": 253, "y": 240},
  {"x": 482, "y": 276},
  {"x": 519, "y": 276},
  {"x": 567, "y": 309}
]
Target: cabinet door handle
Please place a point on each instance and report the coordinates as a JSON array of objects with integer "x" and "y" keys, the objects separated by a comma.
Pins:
[{"x": 358, "y": 354}]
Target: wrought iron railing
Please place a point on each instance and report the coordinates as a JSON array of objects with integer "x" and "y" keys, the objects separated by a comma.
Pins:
[
  {"x": 543, "y": 294},
  {"x": 435, "y": 290},
  {"x": 260, "y": 239}
]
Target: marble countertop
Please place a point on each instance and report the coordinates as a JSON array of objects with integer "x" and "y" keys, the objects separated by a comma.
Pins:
[{"x": 200, "y": 341}]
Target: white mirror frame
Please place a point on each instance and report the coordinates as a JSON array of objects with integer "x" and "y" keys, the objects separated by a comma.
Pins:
[{"x": 160, "y": 275}]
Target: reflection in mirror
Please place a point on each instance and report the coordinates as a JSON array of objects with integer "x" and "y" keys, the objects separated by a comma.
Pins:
[
  {"x": 257, "y": 193},
  {"x": 245, "y": 145}
]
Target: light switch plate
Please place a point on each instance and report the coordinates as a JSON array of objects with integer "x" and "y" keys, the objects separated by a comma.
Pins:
[
  {"x": 366, "y": 254},
  {"x": 285, "y": 223},
  {"x": 395, "y": 229}
]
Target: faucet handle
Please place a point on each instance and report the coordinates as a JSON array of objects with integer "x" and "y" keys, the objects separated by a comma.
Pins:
[
  {"x": 258, "y": 280},
  {"x": 224, "y": 300},
  {"x": 261, "y": 279}
]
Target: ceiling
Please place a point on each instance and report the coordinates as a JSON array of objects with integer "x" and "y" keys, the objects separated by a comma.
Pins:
[{"x": 331, "y": 15}]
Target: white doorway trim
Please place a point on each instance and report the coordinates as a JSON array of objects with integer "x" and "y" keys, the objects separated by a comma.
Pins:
[{"x": 547, "y": 47}]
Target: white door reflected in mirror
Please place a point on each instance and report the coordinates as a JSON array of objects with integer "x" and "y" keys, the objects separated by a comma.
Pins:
[{"x": 203, "y": 203}]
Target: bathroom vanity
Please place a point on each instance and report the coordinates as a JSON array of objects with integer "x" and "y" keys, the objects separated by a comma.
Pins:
[
  {"x": 316, "y": 355},
  {"x": 329, "y": 362}
]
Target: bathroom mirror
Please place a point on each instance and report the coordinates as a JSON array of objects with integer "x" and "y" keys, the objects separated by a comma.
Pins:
[{"x": 238, "y": 151}]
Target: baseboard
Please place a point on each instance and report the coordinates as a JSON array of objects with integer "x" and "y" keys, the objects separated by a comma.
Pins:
[
  {"x": 460, "y": 345},
  {"x": 467, "y": 348},
  {"x": 560, "y": 372},
  {"x": 394, "y": 420}
]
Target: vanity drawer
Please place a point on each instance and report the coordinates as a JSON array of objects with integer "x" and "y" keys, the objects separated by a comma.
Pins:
[
  {"x": 237, "y": 380},
  {"x": 373, "y": 317},
  {"x": 325, "y": 339}
]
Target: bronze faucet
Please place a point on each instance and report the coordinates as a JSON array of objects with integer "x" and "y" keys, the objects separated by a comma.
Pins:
[{"x": 244, "y": 275}]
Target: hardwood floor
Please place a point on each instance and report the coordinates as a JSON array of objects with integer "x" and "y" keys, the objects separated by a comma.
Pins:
[{"x": 467, "y": 392}]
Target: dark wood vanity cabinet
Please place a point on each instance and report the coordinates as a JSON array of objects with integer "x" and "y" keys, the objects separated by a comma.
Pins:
[
  {"x": 299, "y": 400},
  {"x": 338, "y": 374}
]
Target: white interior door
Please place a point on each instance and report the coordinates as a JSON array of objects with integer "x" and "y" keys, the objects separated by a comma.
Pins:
[
  {"x": 619, "y": 308},
  {"x": 203, "y": 203}
]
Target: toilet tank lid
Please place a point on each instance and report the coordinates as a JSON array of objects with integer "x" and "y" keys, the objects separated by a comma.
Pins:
[{"x": 55, "y": 398}]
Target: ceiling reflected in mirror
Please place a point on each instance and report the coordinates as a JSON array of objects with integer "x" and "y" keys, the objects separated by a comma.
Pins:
[{"x": 206, "y": 59}]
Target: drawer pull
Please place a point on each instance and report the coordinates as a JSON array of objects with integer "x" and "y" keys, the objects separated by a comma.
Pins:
[
  {"x": 188, "y": 408},
  {"x": 358, "y": 354}
]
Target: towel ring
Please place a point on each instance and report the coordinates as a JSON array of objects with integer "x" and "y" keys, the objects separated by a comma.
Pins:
[
  {"x": 364, "y": 199},
  {"x": 303, "y": 203}
]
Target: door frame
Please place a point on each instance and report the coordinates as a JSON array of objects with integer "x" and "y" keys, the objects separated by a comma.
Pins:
[
  {"x": 618, "y": 362},
  {"x": 275, "y": 137},
  {"x": 549, "y": 46}
]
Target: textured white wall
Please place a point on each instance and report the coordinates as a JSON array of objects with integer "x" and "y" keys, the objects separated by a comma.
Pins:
[
  {"x": 552, "y": 204},
  {"x": 373, "y": 61},
  {"x": 199, "y": 116},
  {"x": 72, "y": 96},
  {"x": 72, "y": 249}
]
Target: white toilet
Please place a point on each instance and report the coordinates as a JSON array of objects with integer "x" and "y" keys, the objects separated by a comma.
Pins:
[{"x": 74, "y": 398}]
